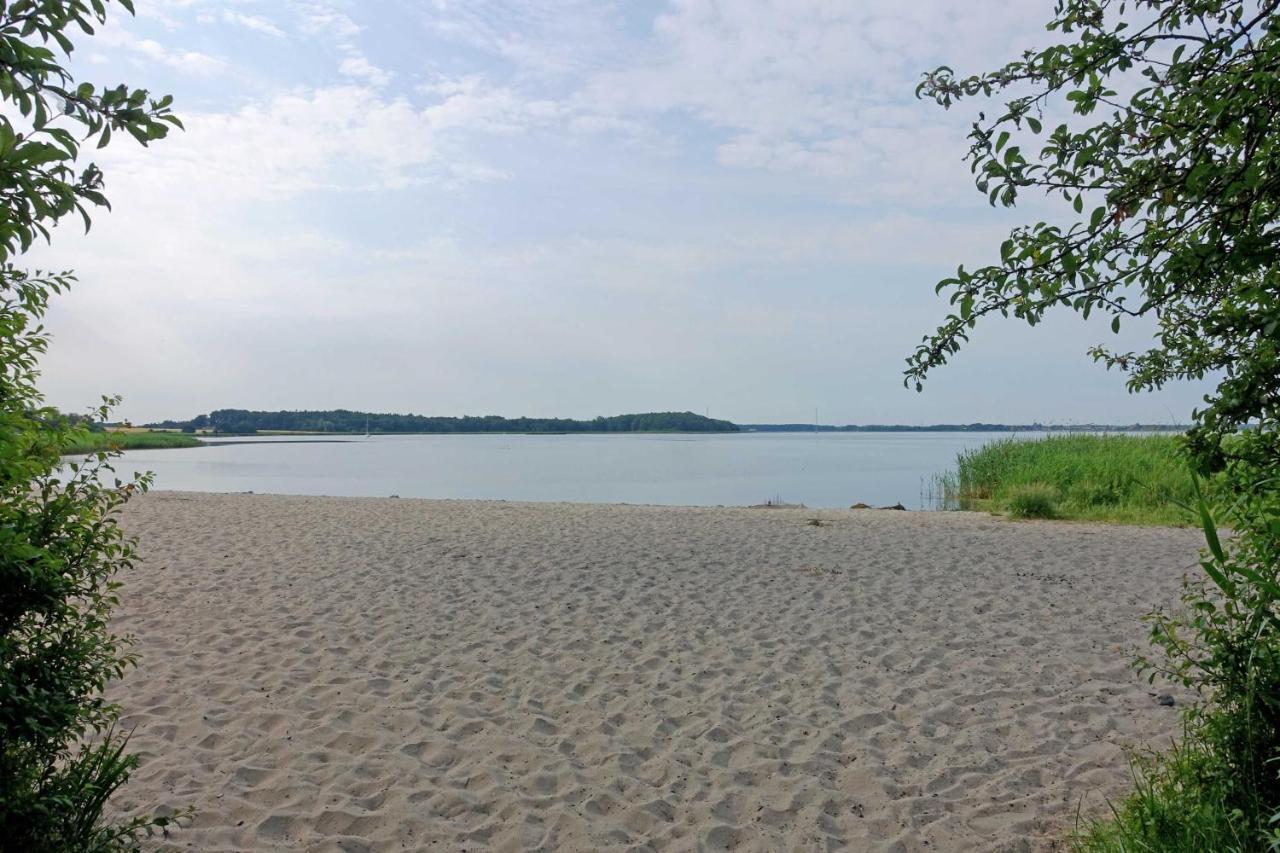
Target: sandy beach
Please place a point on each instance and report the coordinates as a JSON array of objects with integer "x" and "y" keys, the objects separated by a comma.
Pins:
[{"x": 379, "y": 674}]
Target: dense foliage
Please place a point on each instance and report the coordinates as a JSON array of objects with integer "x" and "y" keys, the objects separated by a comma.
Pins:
[
  {"x": 60, "y": 547},
  {"x": 1172, "y": 212},
  {"x": 1220, "y": 788},
  {"x": 240, "y": 421},
  {"x": 1181, "y": 180}
]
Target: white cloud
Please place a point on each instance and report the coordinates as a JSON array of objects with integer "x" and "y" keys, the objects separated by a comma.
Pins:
[
  {"x": 358, "y": 67},
  {"x": 473, "y": 105},
  {"x": 342, "y": 138},
  {"x": 320, "y": 18},
  {"x": 815, "y": 88},
  {"x": 538, "y": 37},
  {"x": 186, "y": 61},
  {"x": 252, "y": 22},
  {"x": 335, "y": 138}
]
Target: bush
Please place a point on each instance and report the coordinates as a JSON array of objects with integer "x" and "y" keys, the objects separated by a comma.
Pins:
[
  {"x": 1033, "y": 500},
  {"x": 60, "y": 545},
  {"x": 60, "y": 549},
  {"x": 1220, "y": 790}
]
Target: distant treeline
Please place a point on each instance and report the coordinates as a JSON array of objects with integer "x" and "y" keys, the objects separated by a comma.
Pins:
[
  {"x": 978, "y": 427},
  {"x": 245, "y": 422}
]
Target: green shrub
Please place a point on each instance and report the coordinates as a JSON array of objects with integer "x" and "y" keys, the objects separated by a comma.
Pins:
[
  {"x": 1032, "y": 500},
  {"x": 1220, "y": 790},
  {"x": 60, "y": 545},
  {"x": 60, "y": 550}
]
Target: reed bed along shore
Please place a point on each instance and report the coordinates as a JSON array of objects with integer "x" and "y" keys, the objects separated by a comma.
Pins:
[
  {"x": 1114, "y": 478},
  {"x": 91, "y": 442}
]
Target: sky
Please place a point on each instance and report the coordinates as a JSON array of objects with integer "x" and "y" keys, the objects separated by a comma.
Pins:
[{"x": 557, "y": 208}]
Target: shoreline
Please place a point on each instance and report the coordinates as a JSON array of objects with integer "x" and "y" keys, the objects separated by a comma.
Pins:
[
  {"x": 380, "y": 673},
  {"x": 839, "y": 512},
  {"x": 946, "y": 429}
]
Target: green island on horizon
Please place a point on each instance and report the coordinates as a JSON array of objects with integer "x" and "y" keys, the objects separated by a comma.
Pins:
[{"x": 344, "y": 421}]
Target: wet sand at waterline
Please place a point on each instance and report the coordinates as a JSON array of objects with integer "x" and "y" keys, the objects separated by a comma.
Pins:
[{"x": 377, "y": 674}]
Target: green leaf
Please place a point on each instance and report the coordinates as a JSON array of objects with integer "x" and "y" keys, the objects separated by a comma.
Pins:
[
  {"x": 1207, "y": 523},
  {"x": 1215, "y": 574},
  {"x": 1256, "y": 578}
]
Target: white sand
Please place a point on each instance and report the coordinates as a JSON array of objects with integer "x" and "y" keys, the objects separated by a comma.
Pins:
[{"x": 347, "y": 674}]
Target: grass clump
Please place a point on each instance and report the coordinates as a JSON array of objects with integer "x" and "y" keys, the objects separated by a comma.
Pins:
[
  {"x": 1181, "y": 801},
  {"x": 93, "y": 442},
  {"x": 1116, "y": 478},
  {"x": 1032, "y": 500}
]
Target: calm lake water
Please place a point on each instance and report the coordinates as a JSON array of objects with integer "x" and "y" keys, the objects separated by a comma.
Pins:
[{"x": 819, "y": 470}]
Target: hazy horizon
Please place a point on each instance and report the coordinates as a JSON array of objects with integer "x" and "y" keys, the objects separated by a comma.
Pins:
[
  {"x": 556, "y": 210},
  {"x": 799, "y": 423}
]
